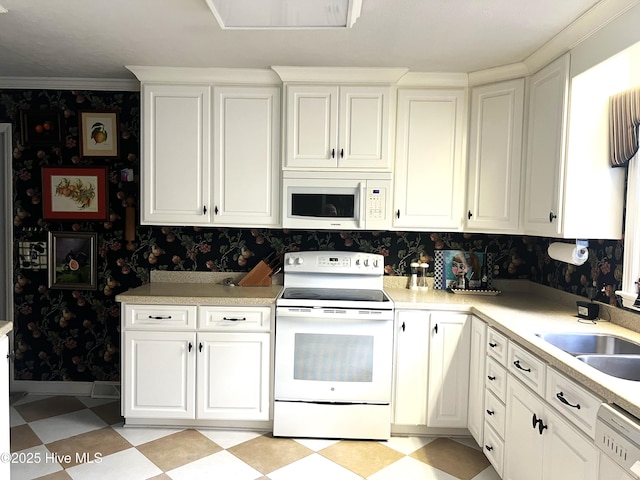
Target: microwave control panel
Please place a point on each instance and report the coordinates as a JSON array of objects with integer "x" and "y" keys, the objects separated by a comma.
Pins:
[{"x": 377, "y": 205}]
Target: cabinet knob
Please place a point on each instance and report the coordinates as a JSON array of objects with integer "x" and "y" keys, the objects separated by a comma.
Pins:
[
  {"x": 488, "y": 447},
  {"x": 491, "y": 378},
  {"x": 200, "y": 346},
  {"x": 435, "y": 329},
  {"x": 552, "y": 216},
  {"x": 190, "y": 346},
  {"x": 204, "y": 210},
  {"x": 215, "y": 210},
  {"x": 469, "y": 215},
  {"x": 493, "y": 345},
  {"x": 342, "y": 153},
  {"x": 490, "y": 412},
  {"x": 333, "y": 153},
  {"x": 398, "y": 213},
  {"x": 537, "y": 422},
  {"x": 403, "y": 327}
]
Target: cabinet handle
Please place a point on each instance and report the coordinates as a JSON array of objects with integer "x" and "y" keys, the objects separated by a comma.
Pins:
[
  {"x": 491, "y": 378},
  {"x": 469, "y": 215},
  {"x": 493, "y": 345},
  {"x": 342, "y": 153},
  {"x": 333, "y": 153},
  {"x": 488, "y": 447},
  {"x": 435, "y": 329},
  {"x": 491, "y": 412},
  {"x": 552, "y": 216},
  {"x": 215, "y": 210},
  {"x": 200, "y": 346},
  {"x": 160, "y": 317},
  {"x": 190, "y": 346},
  {"x": 204, "y": 210},
  {"x": 398, "y": 213},
  {"x": 234, "y": 319},
  {"x": 403, "y": 327},
  {"x": 538, "y": 422},
  {"x": 560, "y": 396},
  {"x": 517, "y": 364}
]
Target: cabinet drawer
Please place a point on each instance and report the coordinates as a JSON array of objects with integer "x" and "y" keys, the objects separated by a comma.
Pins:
[
  {"x": 575, "y": 403},
  {"x": 494, "y": 413},
  {"x": 497, "y": 346},
  {"x": 496, "y": 379},
  {"x": 493, "y": 448},
  {"x": 527, "y": 367},
  {"x": 234, "y": 318},
  {"x": 165, "y": 317}
]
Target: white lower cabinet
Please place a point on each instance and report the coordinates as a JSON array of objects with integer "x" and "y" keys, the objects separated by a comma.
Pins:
[
  {"x": 475, "y": 416},
  {"x": 540, "y": 445},
  {"x": 432, "y": 368},
  {"x": 192, "y": 373}
]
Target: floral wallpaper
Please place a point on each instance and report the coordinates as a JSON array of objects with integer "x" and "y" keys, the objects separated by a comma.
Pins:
[{"x": 74, "y": 335}]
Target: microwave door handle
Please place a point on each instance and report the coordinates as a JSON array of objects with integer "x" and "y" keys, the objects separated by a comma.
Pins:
[{"x": 363, "y": 206}]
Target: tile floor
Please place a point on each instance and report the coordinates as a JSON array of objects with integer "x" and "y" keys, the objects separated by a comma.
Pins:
[{"x": 79, "y": 438}]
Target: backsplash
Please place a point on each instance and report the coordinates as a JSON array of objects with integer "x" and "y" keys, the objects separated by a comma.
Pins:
[{"x": 75, "y": 334}]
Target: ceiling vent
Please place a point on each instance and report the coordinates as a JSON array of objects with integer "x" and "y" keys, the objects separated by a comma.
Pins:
[{"x": 285, "y": 14}]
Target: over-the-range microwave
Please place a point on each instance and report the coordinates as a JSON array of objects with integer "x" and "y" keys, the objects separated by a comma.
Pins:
[{"x": 336, "y": 200}]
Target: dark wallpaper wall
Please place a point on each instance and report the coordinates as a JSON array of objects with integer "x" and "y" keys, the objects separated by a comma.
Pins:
[{"x": 74, "y": 335}]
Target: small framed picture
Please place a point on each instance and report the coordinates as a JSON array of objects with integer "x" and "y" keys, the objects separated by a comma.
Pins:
[
  {"x": 32, "y": 255},
  {"x": 40, "y": 128},
  {"x": 72, "y": 260},
  {"x": 75, "y": 193},
  {"x": 98, "y": 134}
]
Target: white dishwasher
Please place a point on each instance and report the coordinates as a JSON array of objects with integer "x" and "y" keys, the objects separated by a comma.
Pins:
[{"x": 618, "y": 436}]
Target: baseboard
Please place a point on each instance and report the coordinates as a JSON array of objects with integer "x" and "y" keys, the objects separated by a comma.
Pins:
[{"x": 31, "y": 387}]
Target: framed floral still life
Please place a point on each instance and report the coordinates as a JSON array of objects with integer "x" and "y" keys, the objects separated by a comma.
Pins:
[
  {"x": 72, "y": 260},
  {"x": 98, "y": 134},
  {"x": 75, "y": 193}
]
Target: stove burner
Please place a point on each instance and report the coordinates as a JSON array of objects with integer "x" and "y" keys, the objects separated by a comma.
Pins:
[{"x": 356, "y": 295}]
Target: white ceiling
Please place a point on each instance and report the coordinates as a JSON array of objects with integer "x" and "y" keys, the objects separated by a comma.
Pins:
[{"x": 96, "y": 38}]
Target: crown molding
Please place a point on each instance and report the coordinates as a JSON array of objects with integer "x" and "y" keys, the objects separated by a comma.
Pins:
[
  {"x": 63, "y": 83},
  {"x": 434, "y": 79},
  {"x": 361, "y": 75},
  {"x": 177, "y": 75},
  {"x": 498, "y": 74}
]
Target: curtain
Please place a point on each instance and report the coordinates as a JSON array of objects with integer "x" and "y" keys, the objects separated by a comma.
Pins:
[{"x": 624, "y": 118}]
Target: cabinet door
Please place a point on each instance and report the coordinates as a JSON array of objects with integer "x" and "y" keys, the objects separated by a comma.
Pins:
[
  {"x": 363, "y": 125},
  {"x": 429, "y": 177},
  {"x": 475, "y": 411},
  {"x": 524, "y": 448},
  {"x": 448, "y": 370},
  {"x": 159, "y": 380},
  {"x": 412, "y": 367},
  {"x": 233, "y": 376},
  {"x": 567, "y": 454},
  {"x": 495, "y": 157},
  {"x": 546, "y": 148},
  {"x": 312, "y": 123},
  {"x": 176, "y": 164},
  {"x": 246, "y": 156},
  {"x": 5, "y": 467}
]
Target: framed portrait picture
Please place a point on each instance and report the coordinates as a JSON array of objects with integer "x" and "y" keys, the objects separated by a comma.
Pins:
[
  {"x": 75, "y": 193},
  {"x": 40, "y": 128},
  {"x": 98, "y": 134},
  {"x": 72, "y": 260}
]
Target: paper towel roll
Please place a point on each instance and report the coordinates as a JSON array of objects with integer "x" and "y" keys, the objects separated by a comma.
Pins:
[{"x": 569, "y": 253}]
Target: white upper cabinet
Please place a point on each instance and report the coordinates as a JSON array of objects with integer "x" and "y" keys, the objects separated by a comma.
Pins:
[
  {"x": 176, "y": 155},
  {"x": 568, "y": 159},
  {"x": 330, "y": 126},
  {"x": 429, "y": 174},
  {"x": 495, "y": 157},
  {"x": 246, "y": 157}
]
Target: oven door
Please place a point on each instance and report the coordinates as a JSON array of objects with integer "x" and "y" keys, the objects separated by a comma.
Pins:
[{"x": 333, "y": 355}]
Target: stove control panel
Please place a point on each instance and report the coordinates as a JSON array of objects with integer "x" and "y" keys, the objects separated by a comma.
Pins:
[{"x": 334, "y": 262}]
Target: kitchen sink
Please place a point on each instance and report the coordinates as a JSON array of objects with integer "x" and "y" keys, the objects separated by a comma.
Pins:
[
  {"x": 620, "y": 366},
  {"x": 591, "y": 343}
]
